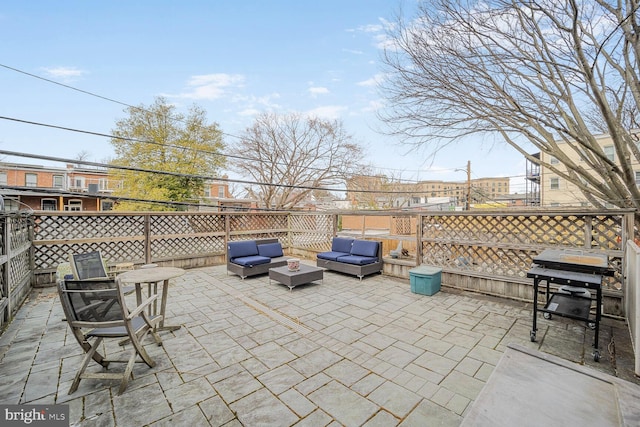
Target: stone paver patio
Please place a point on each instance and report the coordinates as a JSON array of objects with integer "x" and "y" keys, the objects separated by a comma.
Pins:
[{"x": 252, "y": 353}]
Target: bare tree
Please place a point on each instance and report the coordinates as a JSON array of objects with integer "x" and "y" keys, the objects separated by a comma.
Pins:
[
  {"x": 289, "y": 156},
  {"x": 534, "y": 73},
  {"x": 369, "y": 189}
]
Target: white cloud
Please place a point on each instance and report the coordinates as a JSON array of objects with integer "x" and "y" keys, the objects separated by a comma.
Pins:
[
  {"x": 355, "y": 52},
  {"x": 371, "y": 28},
  {"x": 316, "y": 90},
  {"x": 373, "y": 81},
  {"x": 331, "y": 112},
  {"x": 372, "y": 106},
  {"x": 249, "y": 112},
  {"x": 212, "y": 86},
  {"x": 64, "y": 73}
]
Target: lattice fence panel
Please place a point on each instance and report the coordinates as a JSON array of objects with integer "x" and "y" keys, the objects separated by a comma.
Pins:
[
  {"x": 49, "y": 256},
  {"x": 401, "y": 225},
  {"x": 606, "y": 232},
  {"x": 62, "y": 227},
  {"x": 312, "y": 232},
  {"x": 19, "y": 267},
  {"x": 241, "y": 224},
  {"x": 3, "y": 225},
  {"x": 505, "y": 244},
  {"x": 19, "y": 228},
  {"x": 535, "y": 230},
  {"x": 186, "y": 246},
  {"x": 489, "y": 260},
  {"x": 186, "y": 224}
]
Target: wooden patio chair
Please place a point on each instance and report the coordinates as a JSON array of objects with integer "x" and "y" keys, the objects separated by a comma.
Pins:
[
  {"x": 91, "y": 266},
  {"x": 95, "y": 310}
]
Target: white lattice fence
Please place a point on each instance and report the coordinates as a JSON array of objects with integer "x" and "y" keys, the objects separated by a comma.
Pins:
[
  {"x": 312, "y": 232},
  {"x": 504, "y": 244},
  {"x": 120, "y": 237},
  {"x": 15, "y": 263},
  {"x": 259, "y": 226},
  {"x": 179, "y": 235}
]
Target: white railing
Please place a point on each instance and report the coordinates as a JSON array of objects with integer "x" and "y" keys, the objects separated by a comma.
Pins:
[{"x": 632, "y": 296}]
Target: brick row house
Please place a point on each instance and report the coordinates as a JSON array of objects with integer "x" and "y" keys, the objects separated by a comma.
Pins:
[{"x": 75, "y": 188}]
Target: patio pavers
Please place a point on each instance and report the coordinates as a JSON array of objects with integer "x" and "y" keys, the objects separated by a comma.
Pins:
[{"x": 343, "y": 352}]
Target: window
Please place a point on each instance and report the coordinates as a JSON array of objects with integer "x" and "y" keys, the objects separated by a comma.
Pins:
[
  {"x": 553, "y": 161},
  {"x": 30, "y": 180},
  {"x": 58, "y": 181},
  {"x": 554, "y": 183},
  {"x": 106, "y": 205},
  {"x": 609, "y": 152},
  {"x": 77, "y": 183},
  {"x": 3, "y": 178},
  {"x": 103, "y": 184},
  {"x": 73, "y": 205},
  {"x": 638, "y": 178},
  {"x": 207, "y": 191},
  {"x": 221, "y": 191},
  {"x": 49, "y": 205}
]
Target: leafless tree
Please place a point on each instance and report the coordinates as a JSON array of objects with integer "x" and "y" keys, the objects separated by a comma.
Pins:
[
  {"x": 290, "y": 155},
  {"x": 370, "y": 189},
  {"x": 536, "y": 73}
]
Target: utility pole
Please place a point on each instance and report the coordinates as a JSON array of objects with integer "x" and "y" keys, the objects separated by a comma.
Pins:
[{"x": 468, "y": 184}]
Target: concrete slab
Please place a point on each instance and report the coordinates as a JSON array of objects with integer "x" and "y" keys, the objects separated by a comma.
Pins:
[{"x": 531, "y": 388}]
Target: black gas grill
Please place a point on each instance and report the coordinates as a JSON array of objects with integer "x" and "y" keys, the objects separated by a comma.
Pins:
[{"x": 574, "y": 271}]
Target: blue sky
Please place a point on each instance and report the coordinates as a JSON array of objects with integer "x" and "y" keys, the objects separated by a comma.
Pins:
[{"x": 235, "y": 59}]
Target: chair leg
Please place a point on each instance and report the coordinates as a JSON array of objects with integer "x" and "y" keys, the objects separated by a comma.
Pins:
[
  {"x": 128, "y": 372},
  {"x": 90, "y": 350},
  {"x": 87, "y": 347},
  {"x": 136, "y": 341}
]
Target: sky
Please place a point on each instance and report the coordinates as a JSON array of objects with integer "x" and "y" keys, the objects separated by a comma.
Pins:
[{"x": 233, "y": 58}]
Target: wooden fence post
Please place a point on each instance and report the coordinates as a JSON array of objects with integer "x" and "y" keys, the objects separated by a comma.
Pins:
[{"x": 147, "y": 238}]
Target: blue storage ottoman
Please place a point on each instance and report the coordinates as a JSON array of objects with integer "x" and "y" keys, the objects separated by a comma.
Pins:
[{"x": 425, "y": 280}]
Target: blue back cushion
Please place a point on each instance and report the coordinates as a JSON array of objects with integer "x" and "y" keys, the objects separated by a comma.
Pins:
[
  {"x": 241, "y": 249},
  {"x": 341, "y": 244},
  {"x": 364, "y": 248},
  {"x": 271, "y": 250}
]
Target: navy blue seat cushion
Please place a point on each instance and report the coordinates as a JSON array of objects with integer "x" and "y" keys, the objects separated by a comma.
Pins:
[
  {"x": 242, "y": 249},
  {"x": 271, "y": 250},
  {"x": 331, "y": 256},
  {"x": 341, "y": 244},
  {"x": 357, "y": 259},
  {"x": 364, "y": 248},
  {"x": 250, "y": 261}
]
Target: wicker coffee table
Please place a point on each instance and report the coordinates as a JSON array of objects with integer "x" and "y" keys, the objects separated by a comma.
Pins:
[{"x": 306, "y": 274}]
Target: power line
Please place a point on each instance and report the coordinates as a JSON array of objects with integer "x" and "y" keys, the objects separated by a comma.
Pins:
[
  {"x": 184, "y": 175},
  {"x": 106, "y": 98},
  {"x": 206, "y": 152}
]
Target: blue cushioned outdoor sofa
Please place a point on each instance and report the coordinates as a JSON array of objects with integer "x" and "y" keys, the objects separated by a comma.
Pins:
[
  {"x": 352, "y": 256},
  {"x": 252, "y": 257}
]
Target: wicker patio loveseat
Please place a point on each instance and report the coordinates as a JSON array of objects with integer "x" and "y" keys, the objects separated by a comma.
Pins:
[
  {"x": 253, "y": 257},
  {"x": 352, "y": 256}
]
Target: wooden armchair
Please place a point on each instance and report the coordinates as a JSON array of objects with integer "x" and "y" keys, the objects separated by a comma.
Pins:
[{"x": 95, "y": 310}]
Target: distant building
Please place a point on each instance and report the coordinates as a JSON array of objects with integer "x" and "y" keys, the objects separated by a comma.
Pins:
[
  {"x": 56, "y": 189},
  {"x": 75, "y": 188},
  {"x": 556, "y": 191},
  {"x": 377, "y": 192}
]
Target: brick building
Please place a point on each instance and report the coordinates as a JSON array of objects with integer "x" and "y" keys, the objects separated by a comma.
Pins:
[{"x": 75, "y": 188}]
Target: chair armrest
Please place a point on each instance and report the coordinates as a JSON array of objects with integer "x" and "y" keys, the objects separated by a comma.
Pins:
[{"x": 143, "y": 305}]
